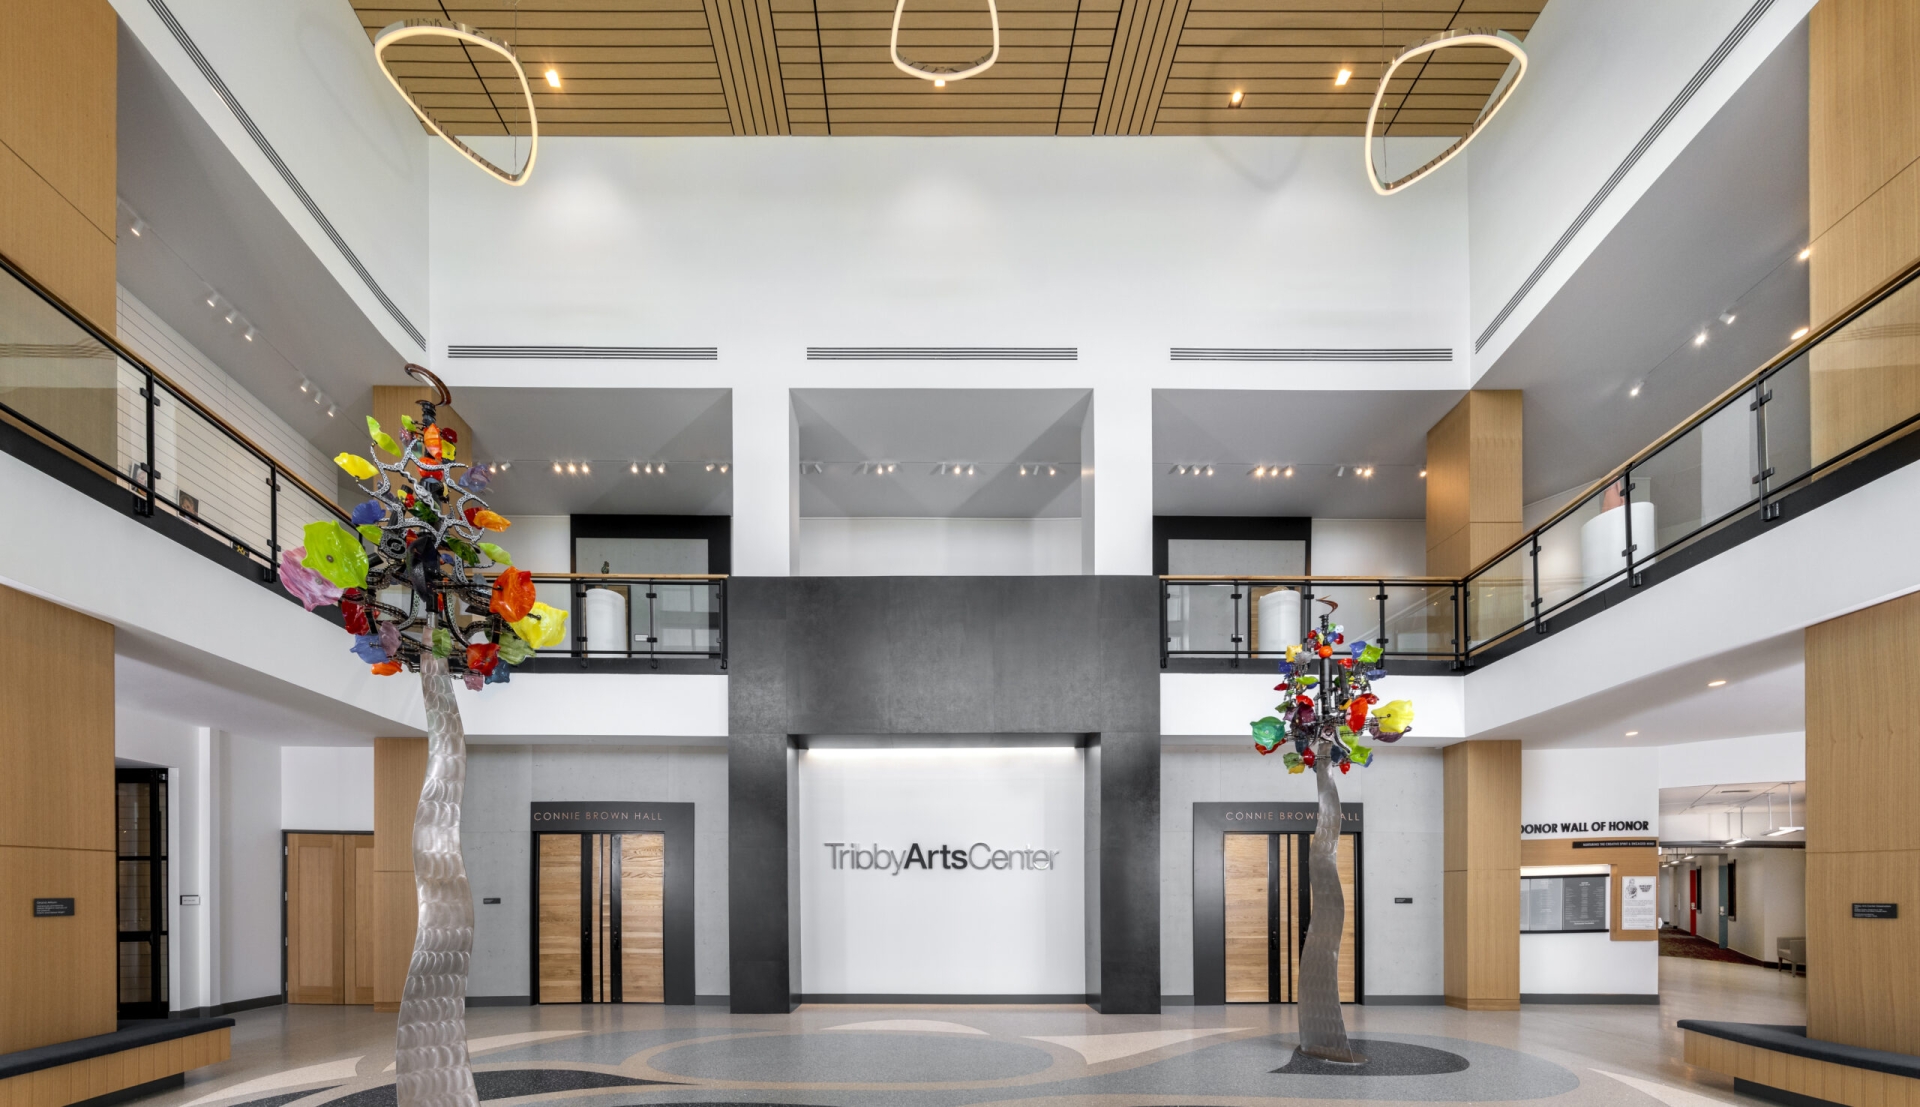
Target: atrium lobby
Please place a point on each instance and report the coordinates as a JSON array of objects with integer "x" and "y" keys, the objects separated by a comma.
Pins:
[{"x": 1060, "y": 553}]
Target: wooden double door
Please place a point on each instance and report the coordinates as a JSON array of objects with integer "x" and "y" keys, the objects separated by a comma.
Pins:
[
  {"x": 1269, "y": 906},
  {"x": 330, "y": 918},
  {"x": 599, "y": 918}
]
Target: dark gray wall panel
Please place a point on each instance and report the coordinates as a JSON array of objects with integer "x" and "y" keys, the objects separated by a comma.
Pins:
[{"x": 947, "y": 655}]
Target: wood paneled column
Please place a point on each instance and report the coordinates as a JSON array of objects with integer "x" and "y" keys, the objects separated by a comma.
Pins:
[
  {"x": 1483, "y": 875},
  {"x": 1863, "y": 192},
  {"x": 1473, "y": 481},
  {"x": 57, "y": 975},
  {"x": 1863, "y": 827},
  {"x": 399, "y": 770}
]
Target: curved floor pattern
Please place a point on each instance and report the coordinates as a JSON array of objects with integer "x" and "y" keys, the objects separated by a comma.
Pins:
[
  {"x": 854, "y": 1057},
  {"x": 1383, "y": 1058}
]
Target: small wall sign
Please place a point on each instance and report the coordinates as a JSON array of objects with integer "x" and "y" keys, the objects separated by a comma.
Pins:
[
  {"x": 189, "y": 901},
  {"x": 1620, "y": 843},
  {"x": 52, "y": 908},
  {"x": 1403, "y": 899},
  {"x": 1876, "y": 910},
  {"x": 491, "y": 899}
]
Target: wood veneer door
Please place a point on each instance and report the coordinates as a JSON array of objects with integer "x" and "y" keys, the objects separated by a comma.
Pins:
[
  {"x": 560, "y": 922},
  {"x": 361, "y": 918},
  {"x": 1349, "y": 892},
  {"x": 1249, "y": 944},
  {"x": 643, "y": 881},
  {"x": 316, "y": 918}
]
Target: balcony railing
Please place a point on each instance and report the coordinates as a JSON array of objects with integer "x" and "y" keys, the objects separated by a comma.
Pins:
[
  {"x": 102, "y": 419},
  {"x": 1789, "y": 436}
]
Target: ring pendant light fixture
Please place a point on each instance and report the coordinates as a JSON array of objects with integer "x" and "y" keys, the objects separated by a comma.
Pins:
[
  {"x": 1459, "y": 36},
  {"x": 941, "y": 74},
  {"x": 407, "y": 29}
]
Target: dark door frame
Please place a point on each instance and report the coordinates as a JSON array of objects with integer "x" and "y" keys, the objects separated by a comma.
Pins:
[
  {"x": 1212, "y": 822},
  {"x": 614, "y": 818},
  {"x": 154, "y": 856}
]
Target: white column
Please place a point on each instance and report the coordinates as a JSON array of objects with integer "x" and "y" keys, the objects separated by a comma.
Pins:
[
  {"x": 1116, "y": 515},
  {"x": 766, "y": 481}
]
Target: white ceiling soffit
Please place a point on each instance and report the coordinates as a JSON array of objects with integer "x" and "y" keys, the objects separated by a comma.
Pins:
[
  {"x": 211, "y": 223},
  {"x": 1718, "y": 231},
  {"x": 613, "y": 430},
  {"x": 1764, "y": 693},
  {"x": 992, "y": 431},
  {"x": 1316, "y": 433}
]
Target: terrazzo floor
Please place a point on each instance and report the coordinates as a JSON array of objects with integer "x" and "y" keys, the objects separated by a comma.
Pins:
[{"x": 1066, "y": 1056}]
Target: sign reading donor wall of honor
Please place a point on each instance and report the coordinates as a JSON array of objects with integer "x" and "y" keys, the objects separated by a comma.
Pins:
[{"x": 943, "y": 872}]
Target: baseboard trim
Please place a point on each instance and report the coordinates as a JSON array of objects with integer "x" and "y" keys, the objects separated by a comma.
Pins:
[
  {"x": 165, "y": 1083},
  {"x": 215, "y": 1010},
  {"x": 499, "y": 1001},
  {"x": 1461, "y": 1003},
  {"x": 1779, "y": 1095},
  {"x": 1404, "y": 1001},
  {"x": 713, "y": 1001},
  {"x": 947, "y": 1000},
  {"x": 1176, "y": 1001},
  {"x": 1592, "y": 997}
]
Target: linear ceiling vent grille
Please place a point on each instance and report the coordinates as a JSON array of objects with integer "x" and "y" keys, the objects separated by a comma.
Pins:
[
  {"x": 1192, "y": 353},
  {"x": 943, "y": 353},
  {"x": 589, "y": 353}
]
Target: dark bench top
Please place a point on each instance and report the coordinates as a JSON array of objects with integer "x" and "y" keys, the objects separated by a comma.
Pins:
[
  {"x": 1794, "y": 1040},
  {"x": 131, "y": 1035}
]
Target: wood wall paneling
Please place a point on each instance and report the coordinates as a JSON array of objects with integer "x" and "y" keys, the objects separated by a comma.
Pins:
[
  {"x": 57, "y": 148},
  {"x": 57, "y": 975},
  {"x": 1863, "y": 830},
  {"x": 1482, "y": 875},
  {"x": 1863, "y": 190},
  {"x": 99, "y": 1076},
  {"x": 1473, "y": 481},
  {"x": 399, "y": 771}
]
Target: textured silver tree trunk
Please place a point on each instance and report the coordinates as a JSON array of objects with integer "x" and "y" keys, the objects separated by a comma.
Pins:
[
  {"x": 1323, "y": 1030},
  {"x": 431, "y": 1044}
]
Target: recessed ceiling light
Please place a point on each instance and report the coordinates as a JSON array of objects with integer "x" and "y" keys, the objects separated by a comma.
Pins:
[
  {"x": 585, "y": 468},
  {"x": 1634, "y": 390},
  {"x": 1235, "y": 100},
  {"x": 939, "y": 82},
  {"x": 1052, "y": 471},
  {"x": 1342, "y": 77},
  {"x": 633, "y": 467},
  {"x": 1423, "y": 474},
  {"x": 1209, "y": 470},
  {"x": 1715, "y": 683},
  {"x": 1260, "y": 471},
  {"x": 553, "y": 77},
  {"x": 572, "y": 468},
  {"x": 1700, "y": 339},
  {"x": 1633, "y": 734},
  {"x": 556, "y": 467},
  {"x": 1288, "y": 472},
  {"x": 1798, "y": 334},
  {"x": 1806, "y": 253}
]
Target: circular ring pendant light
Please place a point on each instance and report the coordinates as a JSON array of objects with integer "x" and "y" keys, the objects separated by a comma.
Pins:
[
  {"x": 1459, "y": 36},
  {"x": 407, "y": 29},
  {"x": 941, "y": 74}
]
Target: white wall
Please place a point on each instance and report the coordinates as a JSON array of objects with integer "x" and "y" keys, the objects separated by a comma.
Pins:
[
  {"x": 1599, "y": 76},
  {"x": 185, "y": 751},
  {"x": 248, "y": 852},
  {"x": 326, "y": 787},
  {"x": 1592, "y": 787},
  {"x": 1402, "y": 843},
  {"x": 878, "y": 547},
  {"x": 942, "y": 930},
  {"x": 1756, "y": 758},
  {"x": 496, "y": 836},
  {"x": 1370, "y": 547},
  {"x": 1225, "y": 704},
  {"x": 1771, "y": 898},
  {"x": 304, "y": 73},
  {"x": 149, "y": 336}
]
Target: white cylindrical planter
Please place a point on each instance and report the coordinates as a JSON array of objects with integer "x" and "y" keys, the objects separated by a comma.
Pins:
[
  {"x": 1279, "y": 621},
  {"x": 1603, "y": 541},
  {"x": 606, "y": 621}
]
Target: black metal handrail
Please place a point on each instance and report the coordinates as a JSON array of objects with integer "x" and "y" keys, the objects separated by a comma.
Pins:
[
  {"x": 651, "y": 632},
  {"x": 1380, "y": 623}
]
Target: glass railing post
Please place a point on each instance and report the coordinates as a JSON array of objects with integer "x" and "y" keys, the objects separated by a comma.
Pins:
[
  {"x": 1380, "y": 597},
  {"x": 653, "y": 626},
  {"x": 720, "y": 602},
  {"x": 1626, "y": 500},
  {"x": 1763, "y": 475},
  {"x": 1534, "y": 553},
  {"x": 150, "y": 399},
  {"x": 1233, "y": 598},
  {"x": 272, "y": 572},
  {"x": 1166, "y": 597},
  {"x": 1459, "y": 596}
]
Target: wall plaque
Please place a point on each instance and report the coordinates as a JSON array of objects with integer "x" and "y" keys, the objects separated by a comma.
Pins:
[
  {"x": 53, "y": 908},
  {"x": 1861, "y": 910}
]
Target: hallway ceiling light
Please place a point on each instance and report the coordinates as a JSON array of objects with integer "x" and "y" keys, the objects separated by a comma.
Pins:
[
  {"x": 1341, "y": 78},
  {"x": 556, "y": 467},
  {"x": 941, "y": 74},
  {"x": 1715, "y": 683},
  {"x": 1458, "y": 36},
  {"x": 306, "y": 385},
  {"x": 572, "y": 468},
  {"x": 1259, "y": 471},
  {"x": 1700, "y": 339},
  {"x": 407, "y": 29},
  {"x": 1805, "y": 254},
  {"x": 252, "y": 332},
  {"x": 1779, "y": 830},
  {"x": 1634, "y": 390},
  {"x": 1633, "y": 734},
  {"x": 1052, "y": 472},
  {"x": 585, "y": 468},
  {"x": 1798, "y": 335},
  {"x": 1234, "y": 100},
  {"x": 1727, "y": 318},
  {"x": 139, "y": 227},
  {"x": 723, "y": 467},
  {"x": 333, "y": 410},
  {"x": 553, "y": 77},
  {"x": 1423, "y": 474},
  {"x": 1288, "y": 472},
  {"x": 633, "y": 467}
]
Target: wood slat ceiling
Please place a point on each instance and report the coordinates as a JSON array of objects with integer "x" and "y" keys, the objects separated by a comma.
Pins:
[{"x": 1067, "y": 67}]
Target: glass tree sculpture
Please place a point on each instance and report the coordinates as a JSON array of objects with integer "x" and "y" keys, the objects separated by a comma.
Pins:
[
  {"x": 410, "y": 586},
  {"x": 1330, "y": 707}
]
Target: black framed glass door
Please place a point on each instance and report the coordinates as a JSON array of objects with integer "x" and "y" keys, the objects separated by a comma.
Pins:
[{"x": 140, "y": 813}]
